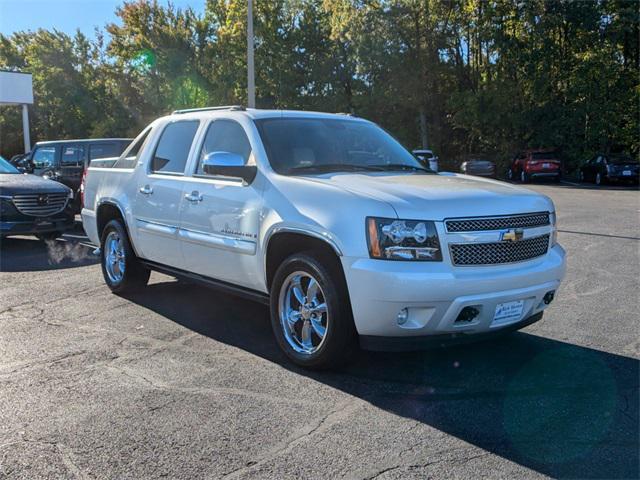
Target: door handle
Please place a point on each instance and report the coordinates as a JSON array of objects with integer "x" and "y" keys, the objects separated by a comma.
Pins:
[
  {"x": 193, "y": 197},
  {"x": 146, "y": 190}
]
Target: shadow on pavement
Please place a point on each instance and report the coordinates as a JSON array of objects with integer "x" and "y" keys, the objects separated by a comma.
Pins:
[
  {"x": 28, "y": 254},
  {"x": 557, "y": 408}
]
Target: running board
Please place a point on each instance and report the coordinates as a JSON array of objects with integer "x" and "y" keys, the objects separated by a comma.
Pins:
[{"x": 226, "y": 287}]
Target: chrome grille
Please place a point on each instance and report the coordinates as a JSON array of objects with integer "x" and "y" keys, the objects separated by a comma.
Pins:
[
  {"x": 40, "y": 204},
  {"x": 498, "y": 252},
  {"x": 497, "y": 223}
]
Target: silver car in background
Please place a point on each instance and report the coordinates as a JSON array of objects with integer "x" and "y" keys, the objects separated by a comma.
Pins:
[{"x": 479, "y": 168}]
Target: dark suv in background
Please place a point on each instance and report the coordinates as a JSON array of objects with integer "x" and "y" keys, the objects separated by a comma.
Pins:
[
  {"x": 535, "y": 164},
  {"x": 66, "y": 160}
]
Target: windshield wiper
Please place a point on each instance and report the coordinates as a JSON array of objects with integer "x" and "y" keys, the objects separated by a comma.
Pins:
[
  {"x": 336, "y": 167},
  {"x": 402, "y": 166}
]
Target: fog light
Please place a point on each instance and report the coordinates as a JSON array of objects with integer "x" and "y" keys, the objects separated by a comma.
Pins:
[
  {"x": 548, "y": 297},
  {"x": 403, "y": 316}
]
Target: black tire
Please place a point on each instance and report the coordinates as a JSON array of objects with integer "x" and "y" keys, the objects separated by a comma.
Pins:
[
  {"x": 524, "y": 178},
  {"x": 340, "y": 335},
  {"x": 48, "y": 236},
  {"x": 135, "y": 275},
  {"x": 599, "y": 180}
]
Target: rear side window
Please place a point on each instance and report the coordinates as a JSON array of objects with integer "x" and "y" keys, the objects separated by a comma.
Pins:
[
  {"x": 129, "y": 157},
  {"x": 44, "y": 157},
  {"x": 72, "y": 155},
  {"x": 225, "y": 136},
  {"x": 173, "y": 148},
  {"x": 104, "y": 150}
]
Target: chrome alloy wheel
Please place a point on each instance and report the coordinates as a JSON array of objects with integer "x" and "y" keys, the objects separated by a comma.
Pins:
[
  {"x": 114, "y": 257},
  {"x": 303, "y": 313}
]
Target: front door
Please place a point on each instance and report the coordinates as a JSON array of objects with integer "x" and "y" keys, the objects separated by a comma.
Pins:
[
  {"x": 220, "y": 215},
  {"x": 159, "y": 193}
]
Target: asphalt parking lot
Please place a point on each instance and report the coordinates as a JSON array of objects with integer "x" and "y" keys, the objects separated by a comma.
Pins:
[{"x": 182, "y": 382}]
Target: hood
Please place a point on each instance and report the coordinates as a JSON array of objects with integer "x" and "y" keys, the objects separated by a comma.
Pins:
[
  {"x": 436, "y": 197},
  {"x": 14, "y": 184}
]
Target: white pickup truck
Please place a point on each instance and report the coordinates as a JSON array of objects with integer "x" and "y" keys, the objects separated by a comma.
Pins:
[{"x": 331, "y": 222}]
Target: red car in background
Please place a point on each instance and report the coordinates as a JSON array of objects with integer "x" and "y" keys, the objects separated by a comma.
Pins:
[{"x": 533, "y": 164}]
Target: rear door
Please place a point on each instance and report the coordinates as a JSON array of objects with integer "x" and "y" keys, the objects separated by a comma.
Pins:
[
  {"x": 159, "y": 193},
  {"x": 221, "y": 215},
  {"x": 72, "y": 165}
]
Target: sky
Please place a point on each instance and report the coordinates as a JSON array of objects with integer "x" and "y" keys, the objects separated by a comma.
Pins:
[{"x": 67, "y": 15}]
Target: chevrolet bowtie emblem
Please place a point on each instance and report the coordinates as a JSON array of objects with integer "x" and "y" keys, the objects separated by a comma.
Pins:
[{"x": 512, "y": 235}]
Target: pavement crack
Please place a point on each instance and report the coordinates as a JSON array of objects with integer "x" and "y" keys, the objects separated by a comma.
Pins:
[{"x": 334, "y": 417}]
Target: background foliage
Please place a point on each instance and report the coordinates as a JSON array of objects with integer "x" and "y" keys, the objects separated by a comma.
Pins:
[{"x": 461, "y": 76}]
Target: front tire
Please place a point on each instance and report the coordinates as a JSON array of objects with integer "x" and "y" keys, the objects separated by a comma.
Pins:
[
  {"x": 599, "y": 180},
  {"x": 122, "y": 271},
  {"x": 310, "y": 312}
]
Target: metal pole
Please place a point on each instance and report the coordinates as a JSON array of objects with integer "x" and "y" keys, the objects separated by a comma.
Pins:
[
  {"x": 251, "y": 81},
  {"x": 25, "y": 128}
]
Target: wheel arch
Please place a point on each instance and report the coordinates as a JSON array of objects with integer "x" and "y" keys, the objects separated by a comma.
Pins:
[
  {"x": 109, "y": 210},
  {"x": 284, "y": 242}
]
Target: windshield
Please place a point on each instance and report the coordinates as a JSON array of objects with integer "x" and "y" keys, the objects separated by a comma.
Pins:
[
  {"x": 622, "y": 159},
  {"x": 297, "y": 146},
  {"x": 6, "y": 167}
]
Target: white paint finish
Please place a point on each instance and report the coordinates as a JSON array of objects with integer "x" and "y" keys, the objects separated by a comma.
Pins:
[
  {"x": 16, "y": 88},
  {"x": 219, "y": 234},
  {"x": 226, "y": 234},
  {"x": 157, "y": 216}
]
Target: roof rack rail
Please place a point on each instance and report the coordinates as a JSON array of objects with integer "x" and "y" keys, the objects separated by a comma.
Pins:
[
  {"x": 207, "y": 109},
  {"x": 348, "y": 114}
]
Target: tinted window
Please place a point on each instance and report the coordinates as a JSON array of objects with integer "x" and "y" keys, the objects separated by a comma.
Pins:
[
  {"x": 104, "y": 150},
  {"x": 44, "y": 157},
  {"x": 622, "y": 159},
  {"x": 307, "y": 144},
  {"x": 225, "y": 136},
  {"x": 173, "y": 148},
  {"x": 72, "y": 155}
]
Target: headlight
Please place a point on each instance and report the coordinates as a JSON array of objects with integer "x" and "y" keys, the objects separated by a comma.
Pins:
[
  {"x": 70, "y": 194},
  {"x": 554, "y": 229},
  {"x": 393, "y": 239}
]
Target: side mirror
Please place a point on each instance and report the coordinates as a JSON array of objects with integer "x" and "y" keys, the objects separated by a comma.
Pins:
[{"x": 227, "y": 164}]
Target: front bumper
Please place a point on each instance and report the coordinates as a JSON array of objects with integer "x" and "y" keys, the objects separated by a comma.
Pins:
[
  {"x": 36, "y": 225},
  {"x": 435, "y": 293},
  {"x": 424, "y": 342}
]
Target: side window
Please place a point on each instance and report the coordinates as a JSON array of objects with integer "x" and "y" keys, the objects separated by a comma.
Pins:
[
  {"x": 129, "y": 157},
  {"x": 173, "y": 148},
  {"x": 44, "y": 157},
  {"x": 225, "y": 136},
  {"x": 103, "y": 150},
  {"x": 72, "y": 155}
]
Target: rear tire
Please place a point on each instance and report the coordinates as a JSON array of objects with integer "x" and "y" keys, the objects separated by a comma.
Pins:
[
  {"x": 122, "y": 271},
  {"x": 312, "y": 322},
  {"x": 524, "y": 178}
]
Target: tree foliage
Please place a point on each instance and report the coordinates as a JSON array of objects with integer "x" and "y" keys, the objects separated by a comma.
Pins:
[{"x": 460, "y": 76}]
